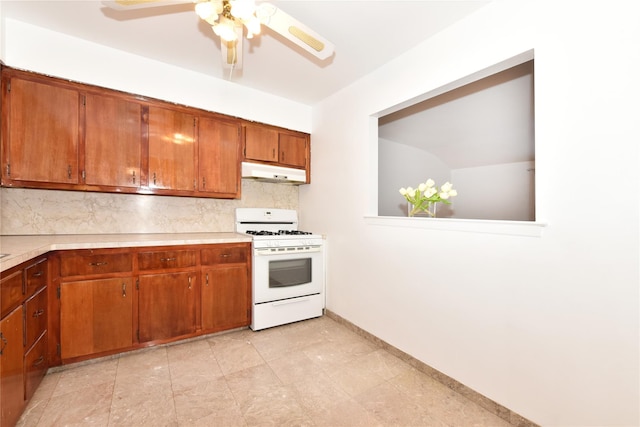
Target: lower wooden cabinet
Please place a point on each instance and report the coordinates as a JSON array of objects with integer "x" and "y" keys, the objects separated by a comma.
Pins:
[
  {"x": 115, "y": 300},
  {"x": 11, "y": 367},
  {"x": 23, "y": 336},
  {"x": 224, "y": 298},
  {"x": 96, "y": 316},
  {"x": 167, "y": 305}
]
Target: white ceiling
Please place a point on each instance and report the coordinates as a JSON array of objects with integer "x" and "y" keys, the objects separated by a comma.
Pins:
[{"x": 366, "y": 34}]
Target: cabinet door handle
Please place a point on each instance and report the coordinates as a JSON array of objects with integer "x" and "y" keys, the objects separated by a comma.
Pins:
[
  {"x": 133, "y": 177},
  {"x": 38, "y": 313},
  {"x": 154, "y": 178},
  {"x": 38, "y": 274},
  {"x": 207, "y": 279},
  {"x": 189, "y": 282},
  {"x": 98, "y": 264},
  {"x": 167, "y": 259},
  {"x": 69, "y": 171},
  {"x": 38, "y": 361},
  {"x": 124, "y": 290},
  {"x": 204, "y": 183},
  {"x": 4, "y": 343}
]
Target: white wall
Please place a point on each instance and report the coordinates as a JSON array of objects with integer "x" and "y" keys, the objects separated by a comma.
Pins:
[{"x": 547, "y": 326}]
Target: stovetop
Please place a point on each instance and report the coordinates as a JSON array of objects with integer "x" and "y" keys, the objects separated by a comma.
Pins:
[{"x": 273, "y": 227}]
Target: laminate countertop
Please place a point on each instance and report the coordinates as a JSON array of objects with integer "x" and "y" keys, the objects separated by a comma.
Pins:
[{"x": 18, "y": 249}]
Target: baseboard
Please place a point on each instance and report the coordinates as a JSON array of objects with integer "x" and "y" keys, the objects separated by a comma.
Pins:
[{"x": 488, "y": 404}]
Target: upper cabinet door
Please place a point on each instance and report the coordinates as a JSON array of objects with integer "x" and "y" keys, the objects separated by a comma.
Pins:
[
  {"x": 293, "y": 150},
  {"x": 261, "y": 143},
  {"x": 42, "y": 122},
  {"x": 172, "y": 152},
  {"x": 219, "y": 157},
  {"x": 112, "y": 142}
]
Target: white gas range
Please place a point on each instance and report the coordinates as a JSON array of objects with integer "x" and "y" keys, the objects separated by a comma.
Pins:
[{"x": 288, "y": 267}]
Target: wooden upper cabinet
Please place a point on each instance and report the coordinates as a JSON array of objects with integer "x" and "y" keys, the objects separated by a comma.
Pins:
[
  {"x": 293, "y": 150},
  {"x": 219, "y": 157},
  {"x": 261, "y": 143},
  {"x": 42, "y": 132},
  {"x": 172, "y": 150},
  {"x": 112, "y": 141},
  {"x": 267, "y": 144}
]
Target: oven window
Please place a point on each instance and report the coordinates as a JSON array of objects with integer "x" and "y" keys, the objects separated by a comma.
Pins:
[{"x": 289, "y": 272}]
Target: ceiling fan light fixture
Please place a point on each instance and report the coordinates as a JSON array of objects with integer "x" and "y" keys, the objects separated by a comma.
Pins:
[
  {"x": 243, "y": 9},
  {"x": 225, "y": 30},
  {"x": 205, "y": 10},
  {"x": 253, "y": 26}
]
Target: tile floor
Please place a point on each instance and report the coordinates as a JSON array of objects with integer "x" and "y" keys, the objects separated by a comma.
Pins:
[{"x": 311, "y": 373}]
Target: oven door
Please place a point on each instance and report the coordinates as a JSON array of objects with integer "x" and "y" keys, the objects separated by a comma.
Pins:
[{"x": 281, "y": 273}]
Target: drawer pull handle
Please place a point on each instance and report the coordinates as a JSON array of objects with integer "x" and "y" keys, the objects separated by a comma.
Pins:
[
  {"x": 38, "y": 313},
  {"x": 98, "y": 264},
  {"x": 225, "y": 255},
  {"x": 168, "y": 259},
  {"x": 38, "y": 361},
  {"x": 38, "y": 274}
]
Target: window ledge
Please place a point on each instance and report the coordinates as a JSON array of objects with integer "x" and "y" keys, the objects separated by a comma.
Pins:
[{"x": 513, "y": 228}]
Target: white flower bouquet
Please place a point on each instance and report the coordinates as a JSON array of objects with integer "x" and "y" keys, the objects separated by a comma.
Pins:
[{"x": 427, "y": 195}]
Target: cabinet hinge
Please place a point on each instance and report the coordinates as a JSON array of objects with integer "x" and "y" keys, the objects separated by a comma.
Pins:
[
  {"x": 58, "y": 292},
  {"x": 58, "y": 349}
]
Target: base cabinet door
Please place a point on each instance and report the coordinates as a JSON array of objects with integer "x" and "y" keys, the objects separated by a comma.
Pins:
[
  {"x": 11, "y": 367},
  {"x": 167, "y": 305},
  {"x": 96, "y": 316},
  {"x": 225, "y": 297}
]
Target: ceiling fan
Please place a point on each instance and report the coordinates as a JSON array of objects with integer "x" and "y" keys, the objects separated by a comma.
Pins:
[{"x": 229, "y": 19}]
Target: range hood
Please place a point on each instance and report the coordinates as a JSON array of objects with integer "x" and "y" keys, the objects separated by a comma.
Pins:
[{"x": 272, "y": 173}]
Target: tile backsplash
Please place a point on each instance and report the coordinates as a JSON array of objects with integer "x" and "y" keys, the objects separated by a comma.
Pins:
[{"x": 27, "y": 212}]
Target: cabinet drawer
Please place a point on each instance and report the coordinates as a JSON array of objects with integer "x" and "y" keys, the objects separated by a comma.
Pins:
[
  {"x": 35, "y": 316},
  {"x": 166, "y": 259},
  {"x": 35, "y": 366},
  {"x": 225, "y": 254},
  {"x": 35, "y": 277},
  {"x": 10, "y": 292},
  {"x": 84, "y": 264}
]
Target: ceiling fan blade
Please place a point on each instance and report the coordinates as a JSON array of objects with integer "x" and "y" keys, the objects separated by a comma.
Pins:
[
  {"x": 232, "y": 51},
  {"x": 141, "y": 4},
  {"x": 294, "y": 30}
]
